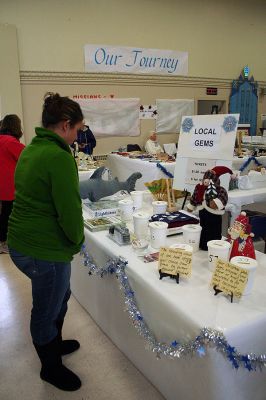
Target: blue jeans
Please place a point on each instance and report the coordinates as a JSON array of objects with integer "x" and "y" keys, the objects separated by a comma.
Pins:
[{"x": 50, "y": 293}]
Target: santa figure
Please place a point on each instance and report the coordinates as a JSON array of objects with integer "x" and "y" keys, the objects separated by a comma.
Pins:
[
  {"x": 240, "y": 237},
  {"x": 210, "y": 199}
]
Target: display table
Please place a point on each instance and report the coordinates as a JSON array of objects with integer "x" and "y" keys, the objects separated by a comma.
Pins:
[
  {"x": 176, "y": 312},
  {"x": 122, "y": 167},
  {"x": 238, "y": 198},
  {"x": 238, "y": 162}
]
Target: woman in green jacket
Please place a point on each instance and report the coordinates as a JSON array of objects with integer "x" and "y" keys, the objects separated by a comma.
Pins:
[{"x": 46, "y": 230}]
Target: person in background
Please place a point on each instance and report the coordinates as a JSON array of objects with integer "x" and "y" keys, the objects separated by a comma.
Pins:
[
  {"x": 85, "y": 140},
  {"x": 152, "y": 146},
  {"x": 46, "y": 230},
  {"x": 10, "y": 149}
]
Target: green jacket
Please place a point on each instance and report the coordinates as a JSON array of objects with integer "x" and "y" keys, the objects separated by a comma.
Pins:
[{"x": 46, "y": 222}]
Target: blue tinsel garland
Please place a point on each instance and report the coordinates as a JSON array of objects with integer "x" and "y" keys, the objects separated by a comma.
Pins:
[
  {"x": 164, "y": 170},
  {"x": 247, "y": 162},
  {"x": 207, "y": 337}
]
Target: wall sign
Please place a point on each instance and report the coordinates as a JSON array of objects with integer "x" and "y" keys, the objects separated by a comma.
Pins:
[{"x": 135, "y": 60}]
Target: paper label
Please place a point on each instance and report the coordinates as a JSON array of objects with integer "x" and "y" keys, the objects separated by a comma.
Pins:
[
  {"x": 173, "y": 261},
  {"x": 229, "y": 278}
]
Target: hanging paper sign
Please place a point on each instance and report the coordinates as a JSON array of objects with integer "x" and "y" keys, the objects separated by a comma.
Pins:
[
  {"x": 148, "y": 112},
  {"x": 229, "y": 278},
  {"x": 196, "y": 169},
  {"x": 208, "y": 136},
  {"x": 175, "y": 261},
  {"x": 135, "y": 60}
]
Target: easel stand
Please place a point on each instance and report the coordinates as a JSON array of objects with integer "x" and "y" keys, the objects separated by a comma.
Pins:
[
  {"x": 217, "y": 291},
  {"x": 171, "y": 206},
  {"x": 164, "y": 275},
  {"x": 185, "y": 199}
]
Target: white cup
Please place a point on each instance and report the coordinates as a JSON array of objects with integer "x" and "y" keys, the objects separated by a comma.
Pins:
[
  {"x": 182, "y": 246},
  {"x": 191, "y": 235},
  {"x": 248, "y": 264},
  {"x": 159, "y": 207},
  {"x": 137, "y": 197},
  {"x": 125, "y": 209},
  {"x": 141, "y": 222},
  {"x": 158, "y": 231},
  {"x": 147, "y": 197},
  {"x": 217, "y": 249}
]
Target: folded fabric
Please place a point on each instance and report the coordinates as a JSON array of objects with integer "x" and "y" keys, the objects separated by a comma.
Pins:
[{"x": 175, "y": 219}]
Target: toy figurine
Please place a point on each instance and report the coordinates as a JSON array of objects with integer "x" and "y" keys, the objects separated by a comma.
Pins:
[
  {"x": 96, "y": 188},
  {"x": 240, "y": 237},
  {"x": 210, "y": 199}
]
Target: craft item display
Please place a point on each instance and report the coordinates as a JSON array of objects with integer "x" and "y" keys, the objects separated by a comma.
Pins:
[
  {"x": 141, "y": 221},
  {"x": 162, "y": 190},
  {"x": 100, "y": 224},
  {"x": 158, "y": 232},
  {"x": 229, "y": 279},
  {"x": 210, "y": 199},
  {"x": 217, "y": 249},
  {"x": 102, "y": 208},
  {"x": 249, "y": 265},
  {"x": 175, "y": 221},
  {"x": 96, "y": 188},
  {"x": 159, "y": 207},
  {"x": 191, "y": 235},
  {"x": 175, "y": 262},
  {"x": 137, "y": 197},
  {"x": 126, "y": 209},
  {"x": 140, "y": 246},
  {"x": 240, "y": 237},
  {"x": 120, "y": 234}
]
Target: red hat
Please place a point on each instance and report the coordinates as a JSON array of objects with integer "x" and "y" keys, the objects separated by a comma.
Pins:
[
  {"x": 220, "y": 170},
  {"x": 242, "y": 218}
]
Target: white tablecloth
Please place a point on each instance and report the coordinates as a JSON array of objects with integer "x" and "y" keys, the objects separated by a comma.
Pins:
[
  {"x": 122, "y": 167},
  {"x": 238, "y": 162},
  {"x": 177, "y": 312},
  {"x": 84, "y": 175},
  {"x": 238, "y": 198}
]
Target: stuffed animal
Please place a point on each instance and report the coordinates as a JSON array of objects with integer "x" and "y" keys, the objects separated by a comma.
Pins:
[
  {"x": 210, "y": 199},
  {"x": 240, "y": 237},
  {"x": 96, "y": 188}
]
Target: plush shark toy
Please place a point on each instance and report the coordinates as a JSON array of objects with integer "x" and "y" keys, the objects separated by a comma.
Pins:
[{"x": 96, "y": 188}]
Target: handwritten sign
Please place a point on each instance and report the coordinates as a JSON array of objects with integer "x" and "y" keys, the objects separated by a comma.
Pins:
[
  {"x": 175, "y": 261},
  {"x": 229, "y": 278},
  {"x": 132, "y": 60}
]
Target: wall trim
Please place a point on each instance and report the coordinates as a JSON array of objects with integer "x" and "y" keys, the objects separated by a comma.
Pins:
[{"x": 70, "y": 78}]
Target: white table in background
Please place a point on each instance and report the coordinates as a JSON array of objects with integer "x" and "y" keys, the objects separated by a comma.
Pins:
[
  {"x": 122, "y": 167},
  {"x": 238, "y": 162},
  {"x": 176, "y": 312},
  {"x": 238, "y": 198}
]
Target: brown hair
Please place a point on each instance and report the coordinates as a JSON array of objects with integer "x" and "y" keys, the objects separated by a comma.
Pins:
[
  {"x": 11, "y": 125},
  {"x": 57, "y": 108}
]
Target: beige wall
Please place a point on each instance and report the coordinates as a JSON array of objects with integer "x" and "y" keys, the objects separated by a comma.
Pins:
[
  {"x": 220, "y": 37},
  {"x": 148, "y": 90},
  {"x": 10, "y": 91}
]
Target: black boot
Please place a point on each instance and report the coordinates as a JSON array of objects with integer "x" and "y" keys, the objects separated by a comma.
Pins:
[
  {"x": 53, "y": 371},
  {"x": 66, "y": 346}
]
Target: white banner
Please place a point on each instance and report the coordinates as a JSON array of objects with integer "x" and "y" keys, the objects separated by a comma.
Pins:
[
  {"x": 170, "y": 113},
  {"x": 112, "y": 117},
  {"x": 135, "y": 60}
]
